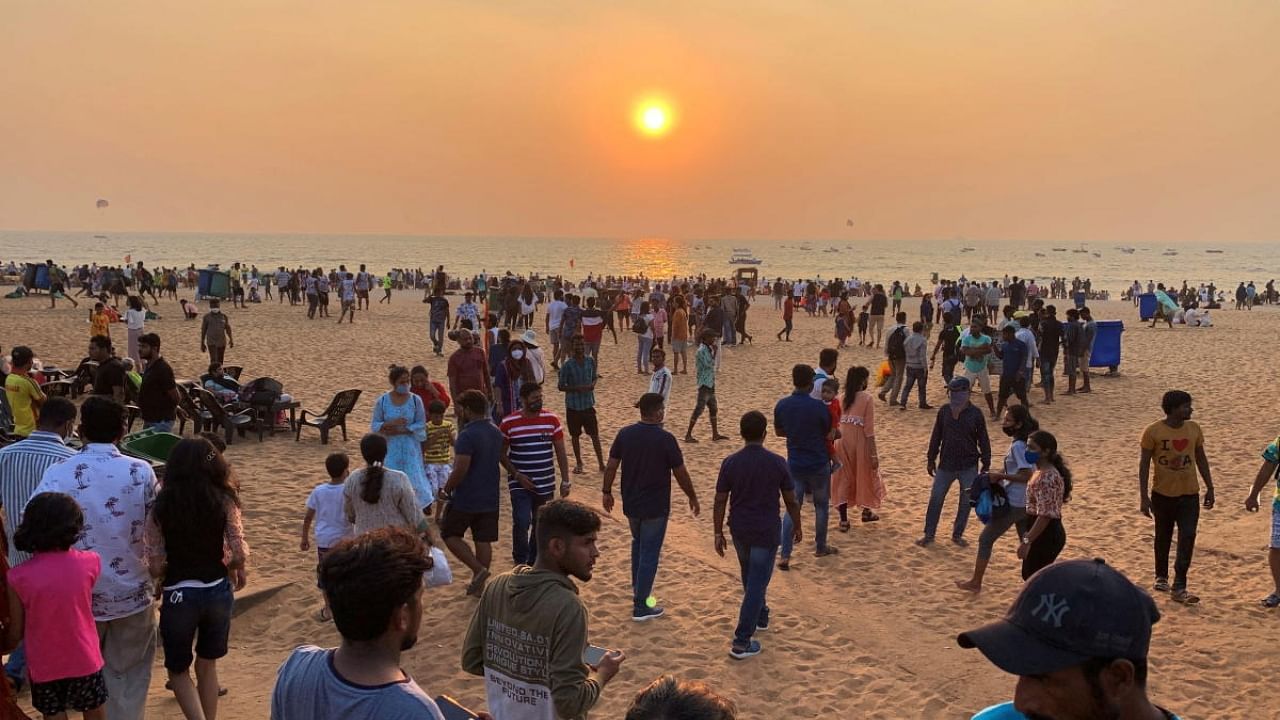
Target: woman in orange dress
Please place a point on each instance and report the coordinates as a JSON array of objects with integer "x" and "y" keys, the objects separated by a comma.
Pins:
[{"x": 857, "y": 481}]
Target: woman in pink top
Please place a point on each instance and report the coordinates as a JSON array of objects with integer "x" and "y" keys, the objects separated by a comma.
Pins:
[
  {"x": 857, "y": 482},
  {"x": 1047, "y": 491},
  {"x": 50, "y": 600}
]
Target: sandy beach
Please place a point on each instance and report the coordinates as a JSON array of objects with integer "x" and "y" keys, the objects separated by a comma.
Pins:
[{"x": 867, "y": 633}]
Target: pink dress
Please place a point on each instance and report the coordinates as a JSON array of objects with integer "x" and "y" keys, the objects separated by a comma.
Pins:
[
  {"x": 56, "y": 590},
  {"x": 856, "y": 483}
]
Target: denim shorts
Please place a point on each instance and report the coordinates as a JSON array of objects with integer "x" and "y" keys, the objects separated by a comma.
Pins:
[
  {"x": 1275, "y": 528},
  {"x": 199, "y": 615}
]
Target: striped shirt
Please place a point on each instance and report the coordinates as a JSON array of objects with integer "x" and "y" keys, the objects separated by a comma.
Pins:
[
  {"x": 22, "y": 464},
  {"x": 439, "y": 442},
  {"x": 531, "y": 447}
]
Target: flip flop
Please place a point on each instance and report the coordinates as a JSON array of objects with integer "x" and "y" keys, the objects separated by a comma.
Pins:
[
  {"x": 1271, "y": 601},
  {"x": 1184, "y": 597},
  {"x": 844, "y": 526},
  {"x": 784, "y": 565},
  {"x": 477, "y": 583}
]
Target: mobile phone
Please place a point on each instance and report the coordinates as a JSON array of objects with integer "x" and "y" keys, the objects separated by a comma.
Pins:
[
  {"x": 454, "y": 710},
  {"x": 593, "y": 655}
]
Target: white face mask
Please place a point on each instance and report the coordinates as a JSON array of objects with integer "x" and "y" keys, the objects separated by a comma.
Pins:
[
  {"x": 215, "y": 311},
  {"x": 517, "y": 354}
]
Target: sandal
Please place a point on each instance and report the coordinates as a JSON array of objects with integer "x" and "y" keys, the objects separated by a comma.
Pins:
[
  {"x": 784, "y": 564},
  {"x": 868, "y": 516},
  {"x": 824, "y": 552},
  {"x": 1184, "y": 597},
  {"x": 1271, "y": 601},
  {"x": 844, "y": 526}
]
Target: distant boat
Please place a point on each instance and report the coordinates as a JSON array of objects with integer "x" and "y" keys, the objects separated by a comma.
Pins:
[
  {"x": 1080, "y": 249},
  {"x": 102, "y": 237},
  {"x": 1039, "y": 254},
  {"x": 1214, "y": 252},
  {"x": 832, "y": 249},
  {"x": 1097, "y": 254},
  {"x": 1059, "y": 249},
  {"x": 743, "y": 256},
  {"x": 967, "y": 249},
  {"x": 1169, "y": 252},
  {"x": 742, "y": 250},
  {"x": 1126, "y": 250}
]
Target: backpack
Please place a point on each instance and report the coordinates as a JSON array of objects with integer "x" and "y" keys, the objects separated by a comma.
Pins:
[
  {"x": 639, "y": 326},
  {"x": 895, "y": 347}
]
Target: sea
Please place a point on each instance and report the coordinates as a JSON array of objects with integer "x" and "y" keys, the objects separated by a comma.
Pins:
[{"x": 1106, "y": 264}]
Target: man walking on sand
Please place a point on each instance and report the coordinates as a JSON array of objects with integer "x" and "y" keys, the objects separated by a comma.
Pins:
[
  {"x": 577, "y": 380},
  {"x": 649, "y": 456},
  {"x": 958, "y": 449},
  {"x": 1267, "y": 474},
  {"x": 806, "y": 423},
  {"x": 470, "y": 495},
  {"x": 1176, "y": 446},
  {"x": 705, "y": 366},
  {"x": 750, "y": 483}
]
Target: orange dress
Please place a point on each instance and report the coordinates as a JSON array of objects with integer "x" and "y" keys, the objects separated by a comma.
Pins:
[{"x": 856, "y": 483}]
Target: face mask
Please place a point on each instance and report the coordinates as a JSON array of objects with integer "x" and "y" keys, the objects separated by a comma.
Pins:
[
  {"x": 402, "y": 388},
  {"x": 517, "y": 354},
  {"x": 1009, "y": 430},
  {"x": 959, "y": 398},
  {"x": 534, "y": 407},
  {"x": 1031, "y": 456},
  {"x": 215, "y": 311}
]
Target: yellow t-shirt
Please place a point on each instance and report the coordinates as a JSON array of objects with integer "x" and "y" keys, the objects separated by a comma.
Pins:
[
  {"x": 437, "y": 452},
  {"x": 99, "y": 324},
  {"x": 1173, "y": 450},
  {"x": 23, "y": 393}
]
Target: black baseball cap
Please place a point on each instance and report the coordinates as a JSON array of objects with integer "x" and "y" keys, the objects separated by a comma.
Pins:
[{"x": 1066, "y": 614}]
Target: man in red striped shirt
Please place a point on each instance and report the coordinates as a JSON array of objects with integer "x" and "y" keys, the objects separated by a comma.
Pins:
[{"x": 532, "y": 438}]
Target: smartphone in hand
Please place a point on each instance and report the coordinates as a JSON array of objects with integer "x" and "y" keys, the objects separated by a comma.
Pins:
[
  {"x": 593, "y": 655},
  {"x": 454, "y": 710}
]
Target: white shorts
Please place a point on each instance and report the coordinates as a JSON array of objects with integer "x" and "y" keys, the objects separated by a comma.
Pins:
[
  {"x": 1275, "y": 528},
  {"x": 438, "y": 475},
  {"x": 983, "y": 378}
]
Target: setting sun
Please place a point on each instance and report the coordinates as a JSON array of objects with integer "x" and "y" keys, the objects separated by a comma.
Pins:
[{"x": 653, "y": 118}]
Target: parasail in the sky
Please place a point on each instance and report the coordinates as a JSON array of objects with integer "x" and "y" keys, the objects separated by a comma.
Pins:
[
  {"x": 849, "y": 222},
  {"x": 102, "y": 203}
]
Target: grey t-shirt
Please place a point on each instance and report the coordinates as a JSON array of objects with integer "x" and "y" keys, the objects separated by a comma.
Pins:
[{"x": 309, "y": 688}]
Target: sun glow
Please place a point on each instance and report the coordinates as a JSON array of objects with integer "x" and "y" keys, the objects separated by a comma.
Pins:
[{"x": 653, "y": 117}]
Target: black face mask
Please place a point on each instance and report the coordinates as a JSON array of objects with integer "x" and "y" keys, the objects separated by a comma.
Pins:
[
  {"x": 1010, "y": 431},
  {"x": 534, "y": 407}
]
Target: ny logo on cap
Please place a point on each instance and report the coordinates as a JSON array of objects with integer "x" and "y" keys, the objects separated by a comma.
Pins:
[{"x": 1051, "y": 609}]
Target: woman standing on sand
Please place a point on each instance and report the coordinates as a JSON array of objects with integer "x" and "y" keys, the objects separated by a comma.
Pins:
[
  {"x": 194, "y": 541},
  {"x": 857, "y": 480},
  {"x": 401, "y": 418},
  {"x": 1047, "y": 491}
]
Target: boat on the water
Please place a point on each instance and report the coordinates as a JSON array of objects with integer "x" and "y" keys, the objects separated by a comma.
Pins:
[
  {"x": 1080, "y": 249},
  {"x": 1126, "y": 250},
  {"x": 1040, "y": 255},
  {"x": 743, "y": 256},
  {"x": 1214, "y": 252},
  {"x": 1059, "y": 249},
  {"x": 967, "y": 249},
  {"x": 1170, "y": 252}
]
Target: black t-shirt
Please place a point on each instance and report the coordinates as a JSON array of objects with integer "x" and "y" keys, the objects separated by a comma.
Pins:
[
  {"x": 154, "y": 403},
  {"x": 950, "y": 335},
  {"x": 879, "y": 302},
  {"x": 648, "y": 455},
  {"x": 110, "y": 375},
  {"x": 1050, "y": 337}
]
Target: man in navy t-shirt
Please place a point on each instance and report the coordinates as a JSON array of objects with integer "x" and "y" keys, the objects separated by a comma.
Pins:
[
  {"x": 471, "y": 492},
  {"x": 649, "y": 455},
  {"x": 750, "y": 484},
  {"x": 805, "y": 423}
]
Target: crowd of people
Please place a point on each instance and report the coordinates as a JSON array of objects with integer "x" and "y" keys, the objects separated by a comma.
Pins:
[{"x": 436, "y": 453}]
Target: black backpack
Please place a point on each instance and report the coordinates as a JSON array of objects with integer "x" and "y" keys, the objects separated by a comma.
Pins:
[
  {"x": 639, "y": 326},
  {"x": 896, "y": 347}
]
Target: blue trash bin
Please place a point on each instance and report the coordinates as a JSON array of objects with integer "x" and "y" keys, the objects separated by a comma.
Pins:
[
  {"x": 1147, "y": 305},
  {"x": 1080, "y": 298},
  {"x": 1106, "y": 344}
]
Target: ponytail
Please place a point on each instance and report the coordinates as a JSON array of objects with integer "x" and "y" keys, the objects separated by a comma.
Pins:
[
  {"x": 1049, "y": 446},
  {"x": 373, "y": 448}
]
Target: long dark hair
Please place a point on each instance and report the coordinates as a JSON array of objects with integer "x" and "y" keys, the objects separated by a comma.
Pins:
[
  {"x": 1049, "y": 447},
  {"x": 197, "y": 485},
  {"x": 373, "y": 448},
  {"x": 854, "y": 381},
  {"x": 1025, "y": 424}
]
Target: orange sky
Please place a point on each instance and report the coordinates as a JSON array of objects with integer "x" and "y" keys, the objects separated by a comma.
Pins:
[{"x": 1081, "y": 120}]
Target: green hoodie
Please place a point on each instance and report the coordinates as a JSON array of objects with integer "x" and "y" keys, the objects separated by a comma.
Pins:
[{"x": 526, "y": 638}]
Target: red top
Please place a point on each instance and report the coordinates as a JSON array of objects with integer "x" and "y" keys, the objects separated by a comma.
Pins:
[{"x": 427, "y": 397}]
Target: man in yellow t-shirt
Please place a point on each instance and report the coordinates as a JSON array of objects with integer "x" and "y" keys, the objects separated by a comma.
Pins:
[
  {"x": 25, "y": 396},
  {"x": 1175, "y": 445}
]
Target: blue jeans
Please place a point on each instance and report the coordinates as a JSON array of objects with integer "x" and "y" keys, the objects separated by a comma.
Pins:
[
  {"x": 165, "y": 426},
  {"x": 1047, "y": 363},
  {"x": 643, "y": 346},
  {"x": 16, "y": 667},
  {"x": 524, "y": 525},
  {"x": 437, "y": 336},
  {"x": 942, "y": 480},
  {"x": 646, "y": 546},
  {"x": 817, "y": 483},
  {"x": 756, "y": 563},
  {"x": 730, "y": 332}
]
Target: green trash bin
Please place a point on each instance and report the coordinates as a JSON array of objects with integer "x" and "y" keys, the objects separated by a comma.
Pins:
[{"x": 152, "y": 446}]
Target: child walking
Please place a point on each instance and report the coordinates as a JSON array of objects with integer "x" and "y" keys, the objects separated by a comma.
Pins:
[
  {"x": 831, "y": 398},
  {"x": 435, "y": 451},
  {"x": 50, "y": 599},
  {"x": 324, "y": 506}
]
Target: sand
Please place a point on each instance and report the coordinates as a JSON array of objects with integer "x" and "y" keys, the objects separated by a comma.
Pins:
[{"x": 868, "y": 633}]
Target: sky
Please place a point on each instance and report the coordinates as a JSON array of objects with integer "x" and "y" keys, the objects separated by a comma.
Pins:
[{"x": 1080, "y": 120}]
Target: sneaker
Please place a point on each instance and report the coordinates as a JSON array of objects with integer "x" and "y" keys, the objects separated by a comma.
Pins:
[
  {"x": 763, "y": 623},
  {"x": 742, "y": 652},
  {"x": 646, "y": 614},
  {"x": 1161, "y": 584}
]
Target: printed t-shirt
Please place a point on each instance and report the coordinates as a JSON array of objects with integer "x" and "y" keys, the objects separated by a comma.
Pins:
[
  {"x": 22, "y": 392},
  {"x": 531, "y": 447},
  {"x": 1173, "y": 451},
  {"x": 648, "y": 454},
  {"x": 1272, "y": 455},
  {"x": 56, "y": 590},
  {"x": 478, "y": 491},
  {"x": 331, "y": 520}
]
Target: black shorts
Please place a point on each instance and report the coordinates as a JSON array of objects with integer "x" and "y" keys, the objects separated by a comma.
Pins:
[
  {"x": 582, "y": 420},
  {"x": 199, "y": 615},
  {"x": 79, "y": 694},
  {"x": 1012, "y": 386},
  {"x": 456, "y": 523}
]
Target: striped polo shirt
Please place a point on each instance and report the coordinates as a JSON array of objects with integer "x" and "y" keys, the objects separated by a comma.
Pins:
[
  {"x": 531, "y": 446},
  {"x": 22, "y": 465}
]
